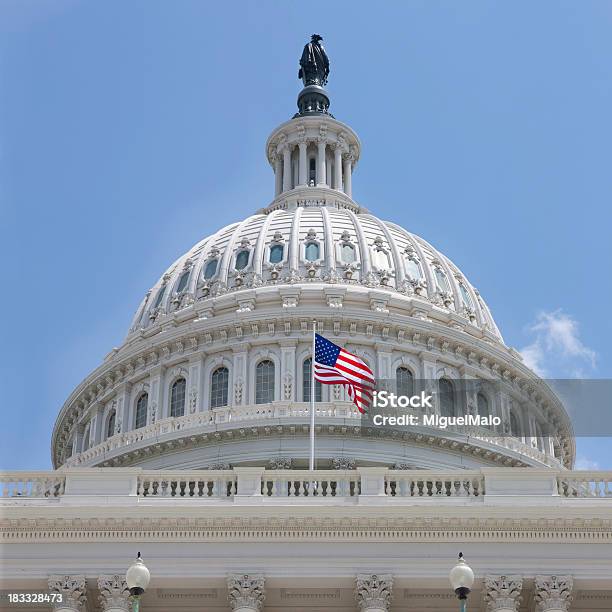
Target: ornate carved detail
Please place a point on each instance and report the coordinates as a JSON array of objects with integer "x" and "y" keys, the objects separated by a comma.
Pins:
[
  {"x": 219, "y": 466},
  {"x": 72, "y": 588},
  {"x": 287, "y": 386},
  {"x": 343, "y": 463},
  {"x": 280, "y": 463},
  {"x": 238, "y": 389},
  {"x": 193, "y": 399},
  {"x": 113, "y": 593},
  {"x": 503, "y": 592},
  {"x": 246, "y": 591},
  {"x": 553, "y": 592},
  {"x": 373, "y": 592}
]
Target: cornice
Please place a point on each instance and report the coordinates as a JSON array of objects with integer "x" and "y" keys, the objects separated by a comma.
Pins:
[{"x": 306, "y": 528}]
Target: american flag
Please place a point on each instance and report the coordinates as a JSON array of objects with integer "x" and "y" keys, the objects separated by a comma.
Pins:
[{"x": 335, "y": 366}]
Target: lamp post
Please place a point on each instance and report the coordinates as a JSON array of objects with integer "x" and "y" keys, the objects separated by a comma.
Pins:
[
  {"x": 137, "y": 578},
  {"x": 462, "y": 580}
]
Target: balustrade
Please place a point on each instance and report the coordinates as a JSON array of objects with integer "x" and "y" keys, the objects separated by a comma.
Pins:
[{"x": 301, "y": 484}]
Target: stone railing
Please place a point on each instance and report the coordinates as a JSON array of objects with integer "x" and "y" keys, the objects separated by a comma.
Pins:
[
  {"x": 363, "y": 484},
  {"x": 32, "y": 484},
  {"x": 289, "y": 412}
]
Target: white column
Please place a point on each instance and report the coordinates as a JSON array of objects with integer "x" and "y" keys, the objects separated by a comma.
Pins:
[
  {"x": 73, "y": 591},
  {"x": 246, "y": 592},
  {"x": 373, "y": 592},
  {"x": 321, "y": 176},
  {"x": 303, "y": 163},
  {"x": 114, "y": 594},
  {"x": 278, "y": 174},
  {"x": 338, "y": 167},
  {"x": 503, "y": 593},
  {"x": 553, "y": 593},
  {"x": 286, "y": 168},
  {"x": 346, "y": 173}
]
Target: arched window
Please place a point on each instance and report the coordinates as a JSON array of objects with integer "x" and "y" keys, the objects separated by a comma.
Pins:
[
  {"x": 467, "y": 300},
  {"x": 110, "y": 424},
  {"x": 177, "y": 398},
  {"x": 381, "y": 259},
  {"x": 483, "y": 405},
  {"x": 441, "y": 279},
  {"x": 348, "y": 253},
  {"x": 276, "y": 253},
  {"x": 160, "y": 297},
  {"x": 183, "y": 280},
  {"x": 219, "y": 383},
  {"x": 210, "y": 269},
  {"x": 306, "y": 383},
  {"x": 404, "y": 382},
  {"x": 264, "y": 382},
  {"x": 413, "y": 269},
  {"x": 242, "y": 260},
  {"x": 515, "y": 429},
  {"x": 141, "y": 411},
  {"x": 312, "y": 251},
  {"x": 447, "y": 397},
  {"x": 85, "y": 444}
]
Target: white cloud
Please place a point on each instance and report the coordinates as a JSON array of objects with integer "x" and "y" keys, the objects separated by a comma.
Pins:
[
  {"x": 583, "y": 463},
  {"x": 557, "y": 349}
]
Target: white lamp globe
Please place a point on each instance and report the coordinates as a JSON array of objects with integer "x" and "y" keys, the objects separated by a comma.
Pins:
[
  {"x": 138, "y": 577},
  {"x": 462, "y": 578}
]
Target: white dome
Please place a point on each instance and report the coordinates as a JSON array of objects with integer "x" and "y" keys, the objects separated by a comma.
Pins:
[{"x": 322, "y": 241}]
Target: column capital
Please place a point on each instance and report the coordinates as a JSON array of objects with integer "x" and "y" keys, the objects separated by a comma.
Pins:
[
  {"x": 373, "y": 592},
  {"x": 114, "y": 593},
  {"x": 246, "y": 592},
  {"x": 72, "y": 589},
  {"x": 503, "y": 593},
  {"x": 553, "y": 593}
]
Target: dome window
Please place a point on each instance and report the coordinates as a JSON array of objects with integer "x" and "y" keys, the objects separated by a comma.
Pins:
[
  {"x": 446, "y": 397},
  {"x": 307, "y": 381},
  {"x": 441, "y": 279},
  {"x": 348, "y": 253},
  {"x": 141, "y": 411},
  {"x": 276, "y": 253},
  {"x": 210, "y": 269},
  {"x": 177, "y": 398},
  {"x": 467, "y": 300},
  {"x": 242, "y": 260},
  {"x": 312, "y": 251},
  {"x": 483, "y": 405},
  {"x": 404, "y": 382},
  {"x": 219, "y": 385},
  {"x": 160, "y": 297},
  {"x": 413, "y": 269},
  {"x": 183, "y": 280},
  {"x": 110, "y": 424},
  {"x": 264, "y": 382}
]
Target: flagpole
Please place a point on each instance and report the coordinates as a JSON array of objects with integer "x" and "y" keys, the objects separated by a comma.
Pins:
[{"x": 312, "y": 399}]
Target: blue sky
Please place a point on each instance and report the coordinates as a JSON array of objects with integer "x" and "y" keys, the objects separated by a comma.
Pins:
[{"x": 130, "y": 130}]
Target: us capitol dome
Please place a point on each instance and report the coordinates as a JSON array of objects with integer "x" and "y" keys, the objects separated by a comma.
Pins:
[{"x": 215, "y": 369}]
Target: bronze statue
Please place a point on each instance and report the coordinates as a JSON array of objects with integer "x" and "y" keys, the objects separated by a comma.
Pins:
[{"x": 314, "y": 64}]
